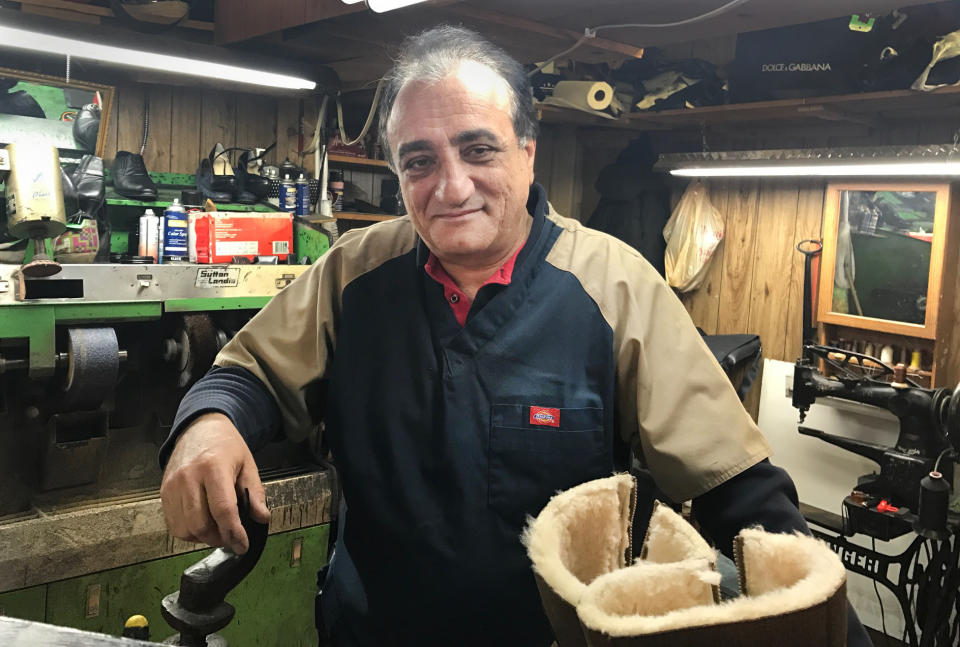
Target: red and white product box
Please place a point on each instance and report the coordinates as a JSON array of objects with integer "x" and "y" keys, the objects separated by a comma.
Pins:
[{"x": 219, "y": 237}]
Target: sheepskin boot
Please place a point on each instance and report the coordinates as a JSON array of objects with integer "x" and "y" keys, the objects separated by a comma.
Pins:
[
  {"x": 794, "y": 595},
  {"x": 586, "y": 532},
  {"x": 580, "y": 546}
]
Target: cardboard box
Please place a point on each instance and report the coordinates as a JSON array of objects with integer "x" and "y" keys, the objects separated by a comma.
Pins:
[{"x": 221, "y": 236}]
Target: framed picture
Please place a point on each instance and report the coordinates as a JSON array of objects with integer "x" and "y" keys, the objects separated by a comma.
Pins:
[{"x": 883, "y": 250}]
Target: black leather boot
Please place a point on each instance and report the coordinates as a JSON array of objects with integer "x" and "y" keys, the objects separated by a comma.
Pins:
[
  {"x": 88, "y": 181},
  {"x": 86, "y": 127},
  {"x": 130, "y": 177}
]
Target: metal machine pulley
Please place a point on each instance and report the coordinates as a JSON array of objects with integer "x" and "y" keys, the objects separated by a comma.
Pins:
[{"x": 193, "y": 347}]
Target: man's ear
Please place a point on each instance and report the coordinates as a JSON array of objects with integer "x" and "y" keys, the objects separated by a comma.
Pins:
[{"x": 530, "y": 150}]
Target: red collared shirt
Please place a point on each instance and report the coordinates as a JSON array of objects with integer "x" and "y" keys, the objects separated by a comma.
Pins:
[{"x": 458, "y": 301}]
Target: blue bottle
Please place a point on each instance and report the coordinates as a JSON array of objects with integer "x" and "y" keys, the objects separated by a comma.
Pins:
[
  {"x": 303, "y": 196},
  {"x": 175, "y": 232}
]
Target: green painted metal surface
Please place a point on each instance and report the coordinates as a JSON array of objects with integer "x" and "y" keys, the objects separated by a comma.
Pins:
[
  {"x": 37, "y": 323},
  {"x": 119, "y": 242},
  {"x": 67, "y": 313},
  {"x": 274, "y": 603},
  {"x": 309, "y": 241},
  {"x": 27, "y": 604},
  {"x": 215, "y": 303}
]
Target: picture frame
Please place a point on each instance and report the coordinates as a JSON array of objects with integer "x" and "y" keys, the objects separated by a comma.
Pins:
[{"x": 883, "y": 256}]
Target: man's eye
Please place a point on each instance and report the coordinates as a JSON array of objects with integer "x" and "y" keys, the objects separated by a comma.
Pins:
[
  {"x": 480, "y": 152},
  {"x": 417, "y": 164}
]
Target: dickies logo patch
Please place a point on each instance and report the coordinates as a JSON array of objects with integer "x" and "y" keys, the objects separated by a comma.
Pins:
[{"x": 544, "y": 417}]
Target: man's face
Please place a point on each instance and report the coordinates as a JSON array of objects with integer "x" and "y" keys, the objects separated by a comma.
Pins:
[{"x": 464, "y": 176}]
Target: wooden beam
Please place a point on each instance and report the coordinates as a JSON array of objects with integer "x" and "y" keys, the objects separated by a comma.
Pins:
[
  {"x": 259, "y": 18},
  {"x": 82, "y": 12},
  {"x": 506, "y": 20},
  {"x": 60, "y": 14}
]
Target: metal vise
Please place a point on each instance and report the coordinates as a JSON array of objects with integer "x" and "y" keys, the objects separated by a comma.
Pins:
[{"x": 198, "y": 609}]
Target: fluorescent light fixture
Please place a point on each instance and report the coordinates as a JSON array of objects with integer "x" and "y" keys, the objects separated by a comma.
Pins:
[
  {"x": 879, "y": 161},
  {"x": 898, "y": 169},
  {"x": 48, "y": 43},
  {"x": 381, "y": 6}
]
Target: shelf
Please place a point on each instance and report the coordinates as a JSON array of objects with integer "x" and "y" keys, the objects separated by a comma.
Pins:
[
  {"x": 164, "y": 201},
  {"x": 170, "y": 186},
  {"x": 869, "y": 108},
  {"x": 373, "y": 217},
  {"x": 357, "y": 161}
]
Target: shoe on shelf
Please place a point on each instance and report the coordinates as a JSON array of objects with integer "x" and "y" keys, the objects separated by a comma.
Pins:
[
  {"x": 130, "y": 177},
  {"x": 205, "y": 183},
  {"x": 223, "y": 179},
  {"x": 87, "y": 179},
  {"x": 86, "y": 127},
  {"x": 248, "y": 176}
]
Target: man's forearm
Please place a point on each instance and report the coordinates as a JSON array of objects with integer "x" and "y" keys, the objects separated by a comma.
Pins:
[
  {"x": 761, "y": 495},
  {"x": 234, "y": 392}
]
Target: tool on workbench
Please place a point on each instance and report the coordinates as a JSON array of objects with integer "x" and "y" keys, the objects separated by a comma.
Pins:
[
  {"x": 198, "y": 609},
  {"x": 35, "y": 207}
]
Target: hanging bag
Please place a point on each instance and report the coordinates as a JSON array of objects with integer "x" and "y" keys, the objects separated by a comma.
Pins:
[{"x": 693, "y": 233}]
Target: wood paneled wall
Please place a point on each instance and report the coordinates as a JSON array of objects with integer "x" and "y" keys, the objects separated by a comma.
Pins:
[
  {"x": 186, "y": 123},
  {"x": 755, "y": 281}
]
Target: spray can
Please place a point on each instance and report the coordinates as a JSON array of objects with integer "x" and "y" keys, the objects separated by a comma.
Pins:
[
  {"x": 288, "y": 195},
  {"x": 149, "y": 230},
  {"x": 175, "y": 232},
  {"x": 303, "y": 196},
  {"x": 336, "y": 189}
]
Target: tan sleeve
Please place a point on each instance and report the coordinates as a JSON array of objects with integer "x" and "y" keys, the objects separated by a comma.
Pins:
[
  {"x": 674, "y": 402},
  {"x": 290, "y": 343}
]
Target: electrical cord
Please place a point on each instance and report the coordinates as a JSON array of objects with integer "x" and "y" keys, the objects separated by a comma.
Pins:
[
  {"x": 366, "y": 126},
  {"x": 146, "y": 122},
  {"x": 678, "y": 23},
  {"x": 936, "y": 466},
  {"x": 591, "y": 32}
]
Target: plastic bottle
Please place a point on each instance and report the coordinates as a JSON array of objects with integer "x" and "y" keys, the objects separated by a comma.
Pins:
[{"x": 149, "y": 232}]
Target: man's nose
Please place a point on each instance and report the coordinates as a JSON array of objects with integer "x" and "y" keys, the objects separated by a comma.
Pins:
[{"x": 455, "y": 186}]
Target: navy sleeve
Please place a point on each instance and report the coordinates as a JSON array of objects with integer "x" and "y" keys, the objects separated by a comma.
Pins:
[
  {"x": 236, "y": 393},
  {"x": 761, "y": 495}
]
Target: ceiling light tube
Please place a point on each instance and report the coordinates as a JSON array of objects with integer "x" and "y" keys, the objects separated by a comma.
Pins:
[
  {"x": 381, "y": 6},
  {"x": 885, "y": 169},
  {"x": 47, "y": 43}
]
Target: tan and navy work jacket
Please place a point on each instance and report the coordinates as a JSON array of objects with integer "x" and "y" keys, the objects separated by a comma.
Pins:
[{"x": 447, "y": 437}]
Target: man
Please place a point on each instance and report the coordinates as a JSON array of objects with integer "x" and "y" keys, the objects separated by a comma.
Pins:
[{"x": 479, "y": 355}]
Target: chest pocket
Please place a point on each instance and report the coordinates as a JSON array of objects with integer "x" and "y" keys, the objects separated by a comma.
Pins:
[{"x": 534, "y": 454}]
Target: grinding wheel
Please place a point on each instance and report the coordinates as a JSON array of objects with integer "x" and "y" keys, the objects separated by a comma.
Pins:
[
  {"x": 198, "y": 348},
  {"x": 93, "y": 363}
]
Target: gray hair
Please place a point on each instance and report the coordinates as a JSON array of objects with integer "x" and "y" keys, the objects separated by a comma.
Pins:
[{"x": 432, "y": 54}]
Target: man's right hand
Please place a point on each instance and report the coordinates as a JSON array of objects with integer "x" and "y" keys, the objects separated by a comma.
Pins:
[{"x": 209, "y": 465}]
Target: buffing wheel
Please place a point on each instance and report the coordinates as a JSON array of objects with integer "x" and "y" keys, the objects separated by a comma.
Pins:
[{"x": 198, "y": 348}]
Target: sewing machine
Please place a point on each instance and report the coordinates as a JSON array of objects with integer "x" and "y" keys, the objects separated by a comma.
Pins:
[{"x": 910, "y": 493}]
